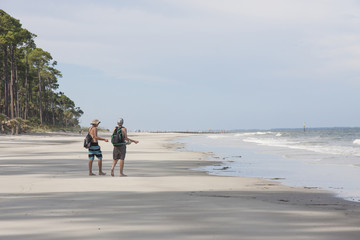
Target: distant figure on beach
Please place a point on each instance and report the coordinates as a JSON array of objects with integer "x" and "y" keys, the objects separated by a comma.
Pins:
[
  {"x": 119, "y": 151},
  {"x": 94, "y": 149}
]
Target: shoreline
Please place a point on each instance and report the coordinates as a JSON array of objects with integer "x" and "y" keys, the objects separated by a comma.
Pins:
[
  {"x": 214, "y": 160},
  {"x": 46, "y": 194},
  {"x": 272, "y": 163}
]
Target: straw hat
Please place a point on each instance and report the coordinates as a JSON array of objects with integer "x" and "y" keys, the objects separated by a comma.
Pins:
[{"x": 95, "y": 122}]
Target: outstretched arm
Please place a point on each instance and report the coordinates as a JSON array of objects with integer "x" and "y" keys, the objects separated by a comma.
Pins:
[
  {"x": 95, "y": 136},
  {"x": 128, "y": 139}
]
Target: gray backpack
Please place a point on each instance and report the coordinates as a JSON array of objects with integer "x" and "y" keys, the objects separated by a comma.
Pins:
[{"x": 87, "y": 141}]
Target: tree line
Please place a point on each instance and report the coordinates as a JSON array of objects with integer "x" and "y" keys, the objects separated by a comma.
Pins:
[{"x": 29, "y": 80}]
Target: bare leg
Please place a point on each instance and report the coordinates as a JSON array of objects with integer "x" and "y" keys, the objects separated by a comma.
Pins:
[
  {"x": 113, "y": 167},
  {"x": 100, "y": 167},
  {"x": 122, "y": 162},
  {"x": 90, "y": 167}
]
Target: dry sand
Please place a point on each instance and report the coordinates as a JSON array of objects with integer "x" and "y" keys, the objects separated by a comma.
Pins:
[{"x": 46, "y": 193}]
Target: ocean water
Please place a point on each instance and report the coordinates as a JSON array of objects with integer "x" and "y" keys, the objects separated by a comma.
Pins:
[{"x": 327, "y": 158}]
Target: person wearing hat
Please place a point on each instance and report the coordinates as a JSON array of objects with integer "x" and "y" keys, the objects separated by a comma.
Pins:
[
  {"x": 119, "y": 151},
  {"x": 94, "y": 149}
]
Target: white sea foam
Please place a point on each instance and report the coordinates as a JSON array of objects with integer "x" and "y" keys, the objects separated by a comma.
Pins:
[
  {"x": 270, "y": 142},
  {"x": 216, "y": 136},
  {"x": 324, "y": 149},
  {"x": 251, "y": 134},
  {"x": 329, "y": 158}
]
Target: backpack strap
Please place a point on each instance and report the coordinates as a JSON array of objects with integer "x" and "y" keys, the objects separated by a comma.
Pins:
[
  {"x": 117, "y": 129},
  {"x": 120, "y": 131},
  {"x": 90, "y": 128}
]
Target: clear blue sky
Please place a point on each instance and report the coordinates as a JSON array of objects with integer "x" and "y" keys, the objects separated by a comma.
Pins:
[{"x": 203, "y": 64}]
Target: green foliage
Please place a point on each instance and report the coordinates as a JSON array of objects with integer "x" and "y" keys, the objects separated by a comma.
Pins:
[
  {"x": 34, "y": 121},
  {"x": 29, "y": 78}
]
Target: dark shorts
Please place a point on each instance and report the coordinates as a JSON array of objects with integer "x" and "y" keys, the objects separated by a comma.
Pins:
[
  {"x": 119, "y": 152},
  {"x": 95, "y": 150}
]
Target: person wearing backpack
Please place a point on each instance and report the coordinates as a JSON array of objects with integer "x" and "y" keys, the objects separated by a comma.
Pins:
[
  {"x": 94, "y": 149},
  {"x": 119, "y": 139}
]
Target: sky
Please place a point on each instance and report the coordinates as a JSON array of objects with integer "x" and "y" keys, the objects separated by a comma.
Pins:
[{"x": 203, "y": 64}]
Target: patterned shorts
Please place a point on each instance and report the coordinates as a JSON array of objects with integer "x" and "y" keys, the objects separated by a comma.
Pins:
[
  {"x": 119, "y": 152},
  {"x": 95, "y": 150}
]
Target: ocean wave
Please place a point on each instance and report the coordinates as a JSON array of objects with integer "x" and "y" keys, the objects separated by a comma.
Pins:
[
  {"x": 356, "y": 141},
  {"x": 271, "y": 142},
  {"x": 318, "y": 148},
  {"x": 252, "y": 134},
  {"x": 216, "y": 136}
]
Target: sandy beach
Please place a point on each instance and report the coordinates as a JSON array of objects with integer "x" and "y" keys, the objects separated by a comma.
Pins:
[{"x": 46, "y": 193}]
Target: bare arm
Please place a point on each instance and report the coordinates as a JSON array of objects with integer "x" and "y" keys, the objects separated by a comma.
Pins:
[
  {"x": 126, "y": 137},
  {"x": 93, "y": 133}
]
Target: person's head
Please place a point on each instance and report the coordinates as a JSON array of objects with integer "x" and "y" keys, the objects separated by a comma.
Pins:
[
  {"x": 120, "y": 122},
  {"x": 95, "y": 122}
]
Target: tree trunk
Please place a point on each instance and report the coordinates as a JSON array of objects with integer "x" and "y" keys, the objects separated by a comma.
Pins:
[
  {"x": 16, "y": 89},
  {"x": 12, "y": 82},
  {"x": 53, "y": 117},
  {"x": 6, "y": 82},
  {"x": 52, "y": 110},
  {"x": 27, "y": 89},
  {"x": 46, "y": 102},
  {"x": 2, "y": 84},
  {"x": 40, "y": 99},
  {"x": 18, "y": 128}
]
